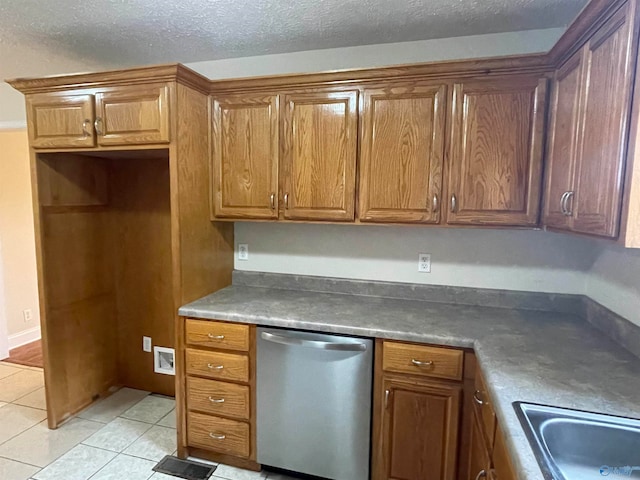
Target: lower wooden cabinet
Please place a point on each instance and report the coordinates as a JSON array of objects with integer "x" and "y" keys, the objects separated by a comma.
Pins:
[
  {"x": 417, "y": 416},
  {"x": 479, "y": 456},
  {"x": 488, "y": 455},
  {"x": 420, "y": 430},
  {"x": 216, "y": 392}
]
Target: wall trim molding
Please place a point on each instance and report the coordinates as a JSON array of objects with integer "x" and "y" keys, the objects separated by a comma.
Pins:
[
  {"x": 22, "y": 338},
  {"x": 13, "y": 125}
]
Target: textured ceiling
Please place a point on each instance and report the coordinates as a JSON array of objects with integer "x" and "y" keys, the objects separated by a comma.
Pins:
[{"x": 129, "y": 32}]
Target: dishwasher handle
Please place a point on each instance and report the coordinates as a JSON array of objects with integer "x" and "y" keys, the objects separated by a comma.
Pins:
[{"x": 300, "y": 342}]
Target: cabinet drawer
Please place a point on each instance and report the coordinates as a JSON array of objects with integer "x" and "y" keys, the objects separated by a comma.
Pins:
[
  {"x": 484, "y": 410},
  {"x": 422, "y": 360},
  {"x": 218, "y": 434},
  {"x": 218, "y": 365},
  {"x": 219, "y": 398},
  {"x": 226, "y": 336}
]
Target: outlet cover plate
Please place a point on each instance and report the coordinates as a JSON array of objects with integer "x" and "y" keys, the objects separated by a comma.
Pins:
[{"x": 424, "y": 262}]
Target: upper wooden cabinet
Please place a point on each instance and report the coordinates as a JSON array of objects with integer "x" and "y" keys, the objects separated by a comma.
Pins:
[
  {"x": 245, "y": 156},
  {"x": 496, "y": 147},
  {"x": 319, "y": 155},
  {"x": 133, "y": 115},
  {"x": 588, "y": 132},
  {"x": 60, "y": 121},
  {"x": 115, "y": 116},
  {"x": 307, "y": 172},
  {"x": 561, "y": 140},
  {"x": 402, "y": 153}
]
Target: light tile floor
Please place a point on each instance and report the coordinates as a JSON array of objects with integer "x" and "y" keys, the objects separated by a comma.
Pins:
[{"x": 119, "y": 438}]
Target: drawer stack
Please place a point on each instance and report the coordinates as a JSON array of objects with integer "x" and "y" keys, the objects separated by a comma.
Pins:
[{"x": 220, "y": 388}]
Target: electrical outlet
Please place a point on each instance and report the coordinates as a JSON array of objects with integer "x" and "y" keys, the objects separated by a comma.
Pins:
[
  {"x": 146, "y": 344},
  {"x": 424, "y": 262},
  {"x": 27, "y": 315},
  {"x": 243, "y": 251}
]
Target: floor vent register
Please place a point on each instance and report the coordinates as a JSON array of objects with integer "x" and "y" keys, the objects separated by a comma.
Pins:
[{"x": 187, "y": 469}]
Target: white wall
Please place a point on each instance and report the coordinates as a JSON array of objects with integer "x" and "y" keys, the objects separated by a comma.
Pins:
[
  {"x": 497, "y": 44},
  {"x": 614, "y": 280},
  {"x": 502, "y": 259}
]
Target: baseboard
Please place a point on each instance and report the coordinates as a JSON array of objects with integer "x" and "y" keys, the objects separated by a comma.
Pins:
[{"x": 22, "y": 338}]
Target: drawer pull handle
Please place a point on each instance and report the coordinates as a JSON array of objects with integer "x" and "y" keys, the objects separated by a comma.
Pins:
[
  {"x": 418, "y": 363},
  {"x": 215, "y": 337},
  {"x": 217, "y": 436},
  {"x": 211, "y": 366},
  {"x": 481, "y": 474},
  {"x": 216, "y": 400},
  {"x": 477, "y": 399}
]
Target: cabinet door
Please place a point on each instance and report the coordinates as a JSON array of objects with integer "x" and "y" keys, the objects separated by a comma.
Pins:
[
  {"x": 479, "y": 460},
  {"x": 420, "y": 430},
  {"x": 562, "y": 141},
  {"x": 319, "y": 160},
  {"x": 133, "y": 115},
  {"x": 502, "y": 467},
  {"x": 495, "y": 170},
  {"x": 402, "y": 153},
  {"x": 60, "y": 121},
  {"x": 245, "y": 156},
  {"x": 599, "y": 173}
]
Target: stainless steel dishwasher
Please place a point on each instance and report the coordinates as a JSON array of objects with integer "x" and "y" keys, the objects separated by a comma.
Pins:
[{"x": 314, "y": 403}]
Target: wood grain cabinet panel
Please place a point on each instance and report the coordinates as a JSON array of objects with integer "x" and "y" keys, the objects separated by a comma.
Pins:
[
  {"x": 607, "y": 86},
  {"x": 319, "y": 162},
  {"x": 218, "y": 398},
  {"x": 562, "y": 141},
  {"x": 402, "y": 153},
  {"x": 588, "y": 131},
  {"x": 502, "y": 466},
  {"x": 218, "y": 434},
  {"x": 60, "y": 120},
  {"x": 217, "y": 365},
  {"x": 422, "y": 360},
  {"x": 134, "y": 115},
  {"x": 479, "y": 457},
  {"x": 245, "y": 147},
  {"x": 496, "y": 151},
  {"x": 420, "y": 430},
  {"x": 221, "y": 335}
]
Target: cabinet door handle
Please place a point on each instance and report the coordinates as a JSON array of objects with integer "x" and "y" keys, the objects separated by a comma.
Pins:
[
  {"x": 272, "y": 201},
  {"x": 215, "y": 337},
  {"x": 454, "y": 203},
  {"x": 211, "y": 366},
  {"x": 434, "y": 202},
  {"x": 216, "y": 400},
  {"x": 481, "y": 474},
  {"x": 387, "y": 393},
  {"x": 566, "y": 203},
  {"x": 418, "y": 363},
  {"x": 286, "y": 201},
  {"x": 98, "y": 125},
  {"x": 86, "y": 125},
  {"x": 476, "y": 397},
  {"x": 563, "y": 198},
  {"x": 217, "y": 436}
]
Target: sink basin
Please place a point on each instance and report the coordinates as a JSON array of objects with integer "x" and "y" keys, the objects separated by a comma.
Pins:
[{"x": 575, "y": 445}]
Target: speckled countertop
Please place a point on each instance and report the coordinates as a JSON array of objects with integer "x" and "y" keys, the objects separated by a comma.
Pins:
[{"x": 533, "y": 356}]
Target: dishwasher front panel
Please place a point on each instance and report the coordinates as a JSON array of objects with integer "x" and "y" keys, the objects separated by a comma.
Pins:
[{"x": 314, "y": 403}]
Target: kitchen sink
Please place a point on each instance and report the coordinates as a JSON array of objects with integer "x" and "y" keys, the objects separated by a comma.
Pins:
[{"x": 575, "y": 445}]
